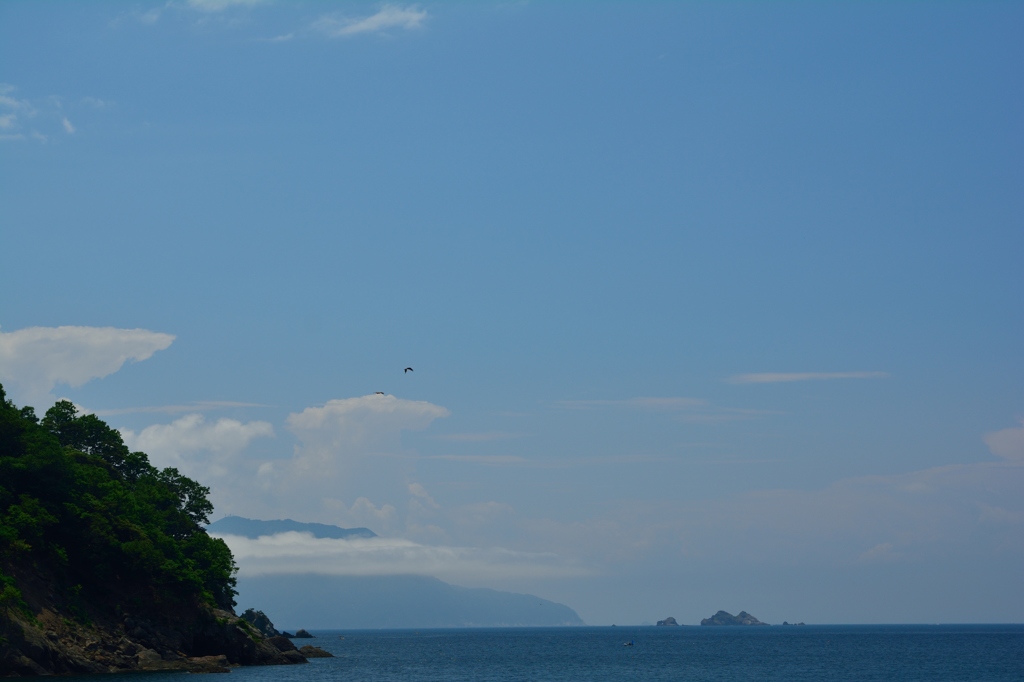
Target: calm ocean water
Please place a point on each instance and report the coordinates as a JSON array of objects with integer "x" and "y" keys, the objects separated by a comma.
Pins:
[{"x": 936, "y": 653}]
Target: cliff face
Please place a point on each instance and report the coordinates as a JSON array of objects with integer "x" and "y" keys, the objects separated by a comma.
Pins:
[
  {"x": 199, "y": 639},
  {"x": 104, "y": 562}
]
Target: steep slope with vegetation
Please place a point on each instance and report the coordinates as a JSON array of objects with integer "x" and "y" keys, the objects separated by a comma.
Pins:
[{"x": 104, "y": 561}]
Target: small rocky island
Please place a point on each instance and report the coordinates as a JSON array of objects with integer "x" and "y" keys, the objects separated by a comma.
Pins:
[
  {"x": 724, "y": 618},
  {"x": 668, "y": 621}
]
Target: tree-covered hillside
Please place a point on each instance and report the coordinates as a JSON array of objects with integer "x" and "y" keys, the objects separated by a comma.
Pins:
[{"x": 98, "y": 528}]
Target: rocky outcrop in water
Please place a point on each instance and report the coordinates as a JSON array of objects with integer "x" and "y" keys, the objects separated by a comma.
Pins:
[
  {"x": 310, "y": 651},
  {"x": 725, "y": 618},
  {"x": 668, "y": 621}
]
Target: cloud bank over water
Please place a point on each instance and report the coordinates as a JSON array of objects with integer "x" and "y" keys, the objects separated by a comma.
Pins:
[{"x": 298, "y": 553}]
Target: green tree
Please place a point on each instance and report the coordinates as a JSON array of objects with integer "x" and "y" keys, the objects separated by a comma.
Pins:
[{"x": 76, "y": 505}]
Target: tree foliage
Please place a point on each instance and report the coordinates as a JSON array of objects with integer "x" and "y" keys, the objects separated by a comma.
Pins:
[{"x": 102, "y": 522}]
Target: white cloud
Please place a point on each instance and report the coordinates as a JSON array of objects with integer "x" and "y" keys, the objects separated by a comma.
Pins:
[
  {"x": 291, "y": 553},
  {"x": 784, "y": 377},
  {"x": 477, "y": 437},
  {"x": 359, "y": 425},
  {"x": 198, "y": 448},
  {"x": 35, "y": 359},
  {"x": 389, "y": 16},
  {"x": 353, "y": 447},
  {"x": 347, "y": 449},
  {"x": 68, "y": 128},
  {"x": 1008, "y": 443},
  {"x": 7, "y": 121}
]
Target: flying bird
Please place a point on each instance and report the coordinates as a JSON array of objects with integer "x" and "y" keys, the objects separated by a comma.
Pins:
[{"x": 407, "y": 369}]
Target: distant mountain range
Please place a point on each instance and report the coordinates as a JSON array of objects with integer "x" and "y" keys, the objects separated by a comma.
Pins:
[
  {"x": 393, "y": 601},
  {"x": 316, "y": 601},
  {"x": 253, "y": 528}
]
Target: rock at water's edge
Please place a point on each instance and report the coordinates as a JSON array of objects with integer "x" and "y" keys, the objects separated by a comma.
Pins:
[
  {"x": 668, "y": 621},
  {"x": 310, "y": 651},
  {"x": 302, "y": 634},
  {"x": 282, "y": 643},
  {"x": 51, "y": 643}
]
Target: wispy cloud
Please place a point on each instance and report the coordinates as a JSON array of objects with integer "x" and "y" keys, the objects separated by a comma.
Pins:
[
  {"x": 40, "y": 118},
  {"x": 492, "y": 460},
  {"x": 389, "y": 16},
  {"x": 221, "y": 5},
  {"x": 477, "y": 437},
  {"x": 7, "y": 101},
  {"x": 688, "y": 410},
  {"x": 97, "y": 103},
  {"x": 783, "y": 377},
  {"x": 12, "y": 112},
  {"x": 723, "y": 414},
  {"x": 200, "y": 406},
  {"x": 660, "y": 404},
  {"x": 557, "y": 463},
  {"x": 152, "y": 15}
]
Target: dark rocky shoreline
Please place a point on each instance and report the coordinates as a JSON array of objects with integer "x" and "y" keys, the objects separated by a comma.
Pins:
[{"x": 55, "y": 645}]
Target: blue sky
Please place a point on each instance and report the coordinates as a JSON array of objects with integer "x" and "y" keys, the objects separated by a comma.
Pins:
[{"x": 710, "y": 305}]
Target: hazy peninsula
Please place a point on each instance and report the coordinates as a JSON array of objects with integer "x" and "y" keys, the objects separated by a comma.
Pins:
[{"x": 385, "y": 601}]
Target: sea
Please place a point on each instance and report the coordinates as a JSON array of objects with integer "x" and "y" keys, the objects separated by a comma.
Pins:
[{"x": 929, "y": 653}]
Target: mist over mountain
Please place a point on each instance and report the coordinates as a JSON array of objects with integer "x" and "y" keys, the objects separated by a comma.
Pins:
[
  {"x": 403, "y": 601},
  {"x": 254, "y": 528}
]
